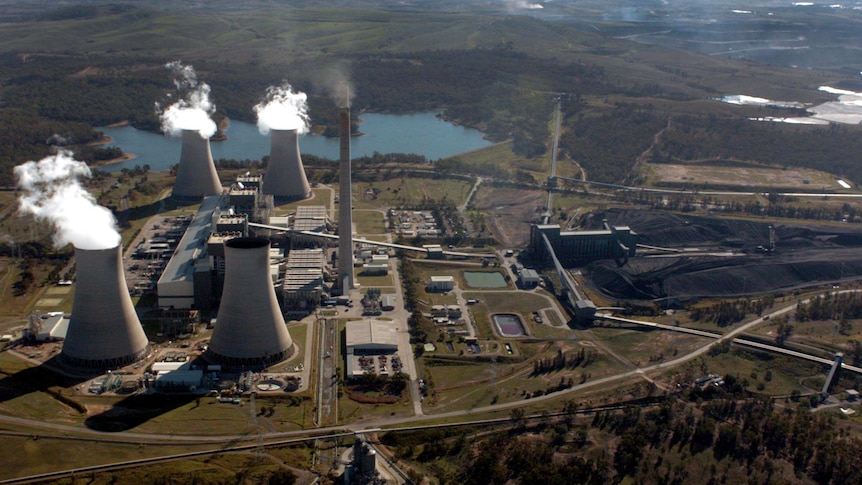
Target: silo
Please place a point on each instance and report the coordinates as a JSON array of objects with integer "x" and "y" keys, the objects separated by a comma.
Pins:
[
  {"x": 285, "y": 177},
  {"x": 250, "y": 331},
  {"x": 196, "y": 174},
  {"x": 104, "y": 330}
]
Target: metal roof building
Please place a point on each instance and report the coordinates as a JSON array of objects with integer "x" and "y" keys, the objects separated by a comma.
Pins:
[
  {"x": 371, "y": 335},
  {"x": 310, "y": 218},
  {"x": 366, "y": 339},
  {"x": 176, "y": 286}
]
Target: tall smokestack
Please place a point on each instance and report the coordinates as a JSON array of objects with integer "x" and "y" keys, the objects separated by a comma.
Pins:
[
  {"x": 104, "y": 331},
  {"x": 250, "y": 331},
  {"x": 196, "y": 174},
  {"x": 285, "y": 177},
  {"x": 345, "y": 216}
]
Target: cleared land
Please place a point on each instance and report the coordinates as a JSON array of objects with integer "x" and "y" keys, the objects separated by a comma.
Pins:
[{"x": 742, "y": 177}]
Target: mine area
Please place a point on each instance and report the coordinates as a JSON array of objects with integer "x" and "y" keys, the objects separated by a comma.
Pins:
[{"x": 684, "y": 258}]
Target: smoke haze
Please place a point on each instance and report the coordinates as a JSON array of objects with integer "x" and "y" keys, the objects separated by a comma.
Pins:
[
  {"x": 335, "y": 80},
  {"x": 282, "y": 109},
  {"x": 193, "y": 108},
  {"x": 52, "y": 191}
]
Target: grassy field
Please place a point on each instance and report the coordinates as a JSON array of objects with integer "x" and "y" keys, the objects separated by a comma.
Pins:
[
  {"x": 374, "y": 281},
  {"x": 369, "y": 222},
  {"x": 787, "y": 374},
  {"x": 718, "y": 175},
  {"x": 319, "y": 196},
  {"x": 506, "y": 301},
  {"x": 407, "y": 191},
  {"x": 501, "y": 155},
  {"x": 29, "y": 456},
  {"x": 647, "y": 347}
]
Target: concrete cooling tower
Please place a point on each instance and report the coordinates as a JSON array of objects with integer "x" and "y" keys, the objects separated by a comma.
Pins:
[
  {"x": 104, "y": 330},
  {"x": 196, "y": 174},
  {"x": 285, "y": 178},
  {"x": 250, "y": 330}
]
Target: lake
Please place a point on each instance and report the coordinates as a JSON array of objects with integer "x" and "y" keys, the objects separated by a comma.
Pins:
[{"x": 420, "y": 133}]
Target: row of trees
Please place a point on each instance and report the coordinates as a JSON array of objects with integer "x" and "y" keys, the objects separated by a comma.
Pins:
[
  {"x": 830, "y": 306},
  {"x": 782, "y": 207},
  {"x": 563, "y": 360},
  {"x": 727, "y": 312}
]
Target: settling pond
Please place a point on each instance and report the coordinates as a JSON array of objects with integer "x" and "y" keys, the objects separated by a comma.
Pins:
[
  {"x": 485, "y": 279},
  {"x": 509, "y": 325}
]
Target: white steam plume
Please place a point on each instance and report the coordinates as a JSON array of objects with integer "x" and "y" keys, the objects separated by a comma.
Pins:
[
  {"x": 282, "y": 109},
  {"x": 52, "y": 191},
  {"x": 515, "y": 5},
  {"x": 192, "y": 111}
]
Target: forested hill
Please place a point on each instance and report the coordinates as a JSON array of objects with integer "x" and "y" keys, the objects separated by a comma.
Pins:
[
  {"x": 723, "y": 440},
  {"x": 71, "y": 68}
]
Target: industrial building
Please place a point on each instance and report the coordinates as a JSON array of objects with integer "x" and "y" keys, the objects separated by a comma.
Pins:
[
  {"x": 302, "y": 286},
  {"x": 309, "y": 218},
  {"x": 528, "y": 278},
  {"x": 387, "y": 302},
  {"x": 46, "y": 328},
  {"x": 371, "y": 347},
  {"x": 177, "y": 287},
  {"x": 441, "y": 283},
  {"x": 575, "y": 247},
  {"x": 104, "y": 330}
]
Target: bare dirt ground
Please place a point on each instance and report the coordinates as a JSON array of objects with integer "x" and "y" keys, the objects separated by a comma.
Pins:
[
  {"x": 806, "y": 255},
  {"x": 510, "y": 212},
  {"x": 722, "y": 176}
]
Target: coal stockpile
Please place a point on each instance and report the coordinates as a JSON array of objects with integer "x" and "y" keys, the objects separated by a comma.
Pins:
[{"x": 712, "y": 257}]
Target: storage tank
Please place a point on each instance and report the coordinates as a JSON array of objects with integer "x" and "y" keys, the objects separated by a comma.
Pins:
[
  {"x": 285, "y": 177},
  {"x": 104, "y": 329},
  {"x": 250, "y": 331},
  {"x": 196, "y": 173}
]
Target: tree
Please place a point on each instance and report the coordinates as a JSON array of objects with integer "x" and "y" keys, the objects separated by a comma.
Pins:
[
  {"x": 783, "y": 332},
  {"x": 518, "y": 417},
  {"x": 282, "y": 476}
]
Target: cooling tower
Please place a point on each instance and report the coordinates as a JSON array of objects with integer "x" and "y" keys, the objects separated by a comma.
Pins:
[
  {"x": 196, "y": 174},
  {"x": 250, "y": 330},
  {"x": 345, "y": 216},
  {"x": 285, "y": 178},
  {"x": 104, "y": 330}
]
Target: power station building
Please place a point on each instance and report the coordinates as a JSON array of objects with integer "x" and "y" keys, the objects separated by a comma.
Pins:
[
  {"x": 186, "y": 281},
  {"x": 193, "y": 278},
  {"x": 302, "y": 286},
  {"x": 576, "y": 247}
]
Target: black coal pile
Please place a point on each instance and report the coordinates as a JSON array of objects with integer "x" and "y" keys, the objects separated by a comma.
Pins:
[{"x": 712, "y": 257}]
